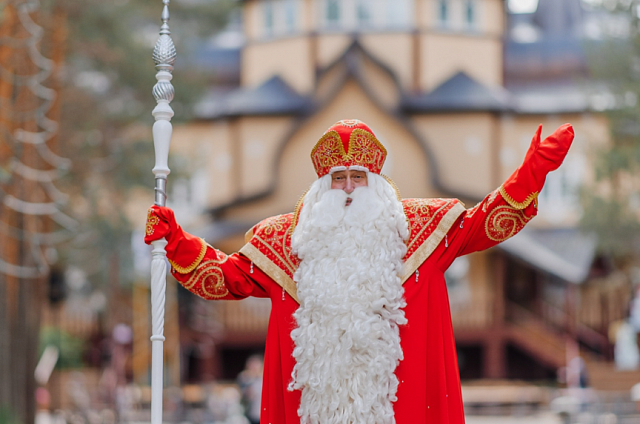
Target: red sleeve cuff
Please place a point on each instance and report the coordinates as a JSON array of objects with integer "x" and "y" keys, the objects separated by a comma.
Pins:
[
  {"x": 517, "y": 196},
  {"x": 187, "y": 254}
]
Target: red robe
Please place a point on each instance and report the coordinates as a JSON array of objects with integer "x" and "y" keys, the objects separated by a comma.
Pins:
[{"x": 441, "y": 230}]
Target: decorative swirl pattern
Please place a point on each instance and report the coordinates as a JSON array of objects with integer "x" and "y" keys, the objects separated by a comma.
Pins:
[
  {"x": 158, "y": 288},
  {"x": 152, "y": 221},
  {"x": 328, "y": 152},
  {"x": 504, "y": 222},
  {"x": 274, "y": 224},
  {"x": 207, "y": 280},
  {"x": 163, "y": 90},
  {"x": 364, "y": 149}
]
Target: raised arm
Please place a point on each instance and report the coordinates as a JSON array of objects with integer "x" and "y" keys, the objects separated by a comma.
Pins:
[
  {"x": 505, "y": 211},
  {"x": 201, "y": 269}
]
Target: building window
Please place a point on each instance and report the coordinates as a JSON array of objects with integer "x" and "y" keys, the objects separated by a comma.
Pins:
[
  {"x": 559, "y": 199},
  {"x": 363, "y": 12},
  {"x": 290, "y": 15},
  {"x": 399, "y": 13},
  {"x": 470, "y": 13},
  {"x": 333, "y": 11},
  {"x": 443, "y": 12},
  {"x": 268, "y": 18},
  {"x": 351, "y": 15},
  {"x": 279, "y": 17}
]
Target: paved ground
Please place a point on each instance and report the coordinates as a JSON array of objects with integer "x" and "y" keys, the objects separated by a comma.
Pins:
[{"x": 543, "y": 418}]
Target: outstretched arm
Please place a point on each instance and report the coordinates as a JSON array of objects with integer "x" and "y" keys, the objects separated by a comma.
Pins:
[
  {"x": 505, "y": 211},
  {"x": 201, "y": 269}
]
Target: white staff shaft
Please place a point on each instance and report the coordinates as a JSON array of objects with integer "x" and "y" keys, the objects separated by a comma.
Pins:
[
  {"x": 161, "y": 139},
  {"x": 164, "y": 55},
  {"x": 158, "y": 290}
]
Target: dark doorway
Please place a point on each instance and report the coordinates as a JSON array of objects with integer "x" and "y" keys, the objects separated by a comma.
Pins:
[
  {"x": 470, "y": 359},
  {"x": 234, "y": 360},
  {"x": 522, "y": 366}
]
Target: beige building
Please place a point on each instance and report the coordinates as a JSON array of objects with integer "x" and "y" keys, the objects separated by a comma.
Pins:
[{"x": 431, "y": 77}]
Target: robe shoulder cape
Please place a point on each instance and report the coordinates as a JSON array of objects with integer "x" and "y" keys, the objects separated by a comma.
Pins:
[{"x": 268, "y": 244}]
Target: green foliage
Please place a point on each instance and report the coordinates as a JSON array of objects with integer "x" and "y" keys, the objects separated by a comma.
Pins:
[
  {"x": 70, "y": 348},
  {"x": 615, "y": 224},
  {"x": 7, "y": 416},
  {"x": 611, "y": 206},
  {"x": 114, "y": 41},
  {"x": 106, "y": 104}
]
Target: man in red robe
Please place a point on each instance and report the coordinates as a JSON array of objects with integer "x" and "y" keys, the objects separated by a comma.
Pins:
[{"x": 360, "y": 328}]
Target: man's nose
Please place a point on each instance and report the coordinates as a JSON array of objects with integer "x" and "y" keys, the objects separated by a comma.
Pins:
[{"x": 348, "y": 188}]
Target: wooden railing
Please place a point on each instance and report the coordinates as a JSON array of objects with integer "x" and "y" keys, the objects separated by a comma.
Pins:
[
  {"x": 249, "y": 316},
  {"x": 557, "y": 318},
  {"x": 476, "y": 315},
  {"x": 556, "y": 321},
  {"x": 536, "y": 335}
]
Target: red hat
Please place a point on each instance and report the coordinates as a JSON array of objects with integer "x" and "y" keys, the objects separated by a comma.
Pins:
[{"x": 348, "y": 144}]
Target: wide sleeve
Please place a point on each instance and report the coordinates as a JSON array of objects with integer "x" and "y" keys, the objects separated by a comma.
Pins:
[
  {"x": 221, "y": 276},
  {"x": 504, "y": 212},
  {"x": 490, "y": 222}
]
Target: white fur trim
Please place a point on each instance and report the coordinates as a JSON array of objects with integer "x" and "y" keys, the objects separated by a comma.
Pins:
[
  {"x": 351, "y": 168},
  {"x": 359, "y": 168},
  {"x": 337, "y": 169}
]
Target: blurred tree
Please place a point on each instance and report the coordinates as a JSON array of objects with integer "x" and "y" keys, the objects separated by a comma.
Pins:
[
  {"x": 90, "y": 76},
  {"x": 612, "y": 203},
  {"x": 30, "y": 202},
  {"x": 106, "y": 110},
  {"x": 70, "y": 347},
  {"x": 7, "y": 416}
]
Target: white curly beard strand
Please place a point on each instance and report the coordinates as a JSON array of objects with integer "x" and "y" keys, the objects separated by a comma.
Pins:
[{"x": 347, "y": 343}]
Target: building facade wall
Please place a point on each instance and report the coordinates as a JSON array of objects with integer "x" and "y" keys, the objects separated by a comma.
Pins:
[
  {"x": 288, "y": 57},
  {"x": 442, "y": 55},
  {"x": 418, "y": 47}
]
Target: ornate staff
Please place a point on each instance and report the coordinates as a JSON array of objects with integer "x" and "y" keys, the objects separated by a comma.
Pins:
[{"x": 164, "y": 55}]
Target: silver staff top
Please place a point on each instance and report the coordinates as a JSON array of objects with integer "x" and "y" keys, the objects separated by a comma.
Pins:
[{"x": 164, "y": 55}]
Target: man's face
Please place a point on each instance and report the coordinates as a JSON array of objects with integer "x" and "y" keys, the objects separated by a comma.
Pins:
[{"x": 348, "y": 181}]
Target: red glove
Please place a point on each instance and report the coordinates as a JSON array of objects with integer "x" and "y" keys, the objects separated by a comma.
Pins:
[
  {"x": 524, "y": 185},
  {"x": 184, "y": 250}
]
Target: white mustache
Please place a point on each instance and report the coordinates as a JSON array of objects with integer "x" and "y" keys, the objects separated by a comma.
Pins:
[{"x": 337, "y": 206}]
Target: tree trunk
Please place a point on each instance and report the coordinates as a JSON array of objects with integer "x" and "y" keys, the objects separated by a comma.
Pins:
[{"x": 22, "y": 294}]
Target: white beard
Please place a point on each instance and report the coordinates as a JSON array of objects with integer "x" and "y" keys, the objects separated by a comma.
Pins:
[{"x": 347, "y": 343}]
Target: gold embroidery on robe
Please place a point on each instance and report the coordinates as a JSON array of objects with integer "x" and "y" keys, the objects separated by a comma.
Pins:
[
  {"x": 152, "y": 221},
  {"x": 532, "y": 197},
  {"x": 194, "y": 264},
  {"x": 207, "y": 280},
  {"x": 490, "y": 200},
  {"x": 366, "y": 150},
  {"x": 328, "y": 152},
  {"x": 393, "y": 185},
  {"x": 363, "y": 149},
  {"x": 429, "y": 220},
  {"x": 503, "y": 222}
]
